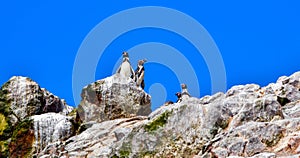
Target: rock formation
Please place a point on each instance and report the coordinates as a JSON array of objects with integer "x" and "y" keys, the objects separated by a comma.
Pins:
[
  {"x": 22, "y": 104},
  {"x": 111, "y": 98},
  {"x": 246, "y": 121}
]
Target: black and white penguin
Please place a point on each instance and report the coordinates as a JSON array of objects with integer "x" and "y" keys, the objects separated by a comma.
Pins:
[
  {"x": 168, "y": 103},
  {"x": 179, "y": 99},
  {"x": 125, "y": 68},
  {"x": 140, "y": 73},
  {"x": 184, "y": 92}
]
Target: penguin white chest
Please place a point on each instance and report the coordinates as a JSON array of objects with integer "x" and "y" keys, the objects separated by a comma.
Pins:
[{"x": 125, "y": 69}]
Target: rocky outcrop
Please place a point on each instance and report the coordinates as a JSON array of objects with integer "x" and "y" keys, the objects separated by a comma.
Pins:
[
  {"x": 24, "y": 98},
  {"x": 39, "y": 123},
  {"x": 21, "y": 102},
  {"x": 55, "y": 104},
  {"x": 112, "y": 98},
  {"x": 246, "y": 121}
]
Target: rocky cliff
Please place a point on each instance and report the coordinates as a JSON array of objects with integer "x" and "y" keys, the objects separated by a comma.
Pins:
[
  {"x": 246, "y": 121},
  {"x": 29, "y": 117}
]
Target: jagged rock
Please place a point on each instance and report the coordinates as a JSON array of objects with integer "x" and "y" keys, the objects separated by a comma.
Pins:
[
  {"x": 111, "y": 98},
  {"x": 49, "y": 128},
  {"x": 55, "y": 104},
  {"x": 97, "y": 140},
  {"x": 246, "y": 121},
  {"x": 292, "y": 110},
  {"x": 21, "y": 98},
  {"x": 181, "y": 129},
  {"x": 24, "y": 98}
]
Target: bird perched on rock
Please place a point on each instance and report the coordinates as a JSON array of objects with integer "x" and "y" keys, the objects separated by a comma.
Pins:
[
  {"x": 140, "y": 73},
  {"x": 125, "y": 68},
  {"x": 179, "y": 99},
  {"x": 168, "y": 103},
  {"x": 184, "y": 92}
]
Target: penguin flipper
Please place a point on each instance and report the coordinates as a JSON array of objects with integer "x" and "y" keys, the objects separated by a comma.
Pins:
[
  {"x": 119, "y": 70},
  {"x": 140, "y": 79},
  {"x": 132, "y": 73},
  {"x": 143, "y": 84}
]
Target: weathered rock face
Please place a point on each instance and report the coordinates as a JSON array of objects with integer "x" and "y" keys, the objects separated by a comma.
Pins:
[
  {"x": 25, "y": 98},
  {"x": 97, "y": 140},
  {"x": 21, "y": 98},
  {"x": 111, "y": 98},
  {"x": 246, "y": 121},
  {"x": 55, "y": 104},
  {"x": 49, "y": 128}
]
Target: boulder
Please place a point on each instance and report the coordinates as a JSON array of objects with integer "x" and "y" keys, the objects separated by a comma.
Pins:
[
  {"x": 21, "y": 97},
  {"x": 112, "y": 98}
]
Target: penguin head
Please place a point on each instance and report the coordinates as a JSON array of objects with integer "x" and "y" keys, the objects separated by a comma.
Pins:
[
  {"x": 125, "y": 56},
  {"x": 142, "y": 62},
  {"x": 183, "y": 86},
  {"x": 178, "y": 94}
]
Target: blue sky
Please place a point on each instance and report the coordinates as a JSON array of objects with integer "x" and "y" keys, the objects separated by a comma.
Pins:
[{"x": 259, "y": 41}]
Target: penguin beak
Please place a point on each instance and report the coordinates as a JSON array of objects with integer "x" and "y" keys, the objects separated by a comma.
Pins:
[{"x": 143, "y": 61}]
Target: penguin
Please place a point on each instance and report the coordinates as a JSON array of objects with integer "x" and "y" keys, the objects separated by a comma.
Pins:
[
  {"x": 140, "y": 73},
  {"x": 125, "y": 68},
  {"x": 179, "y": 99},
  {"x": 168, "y": 103},
  {"x": 184, "y": 92}
]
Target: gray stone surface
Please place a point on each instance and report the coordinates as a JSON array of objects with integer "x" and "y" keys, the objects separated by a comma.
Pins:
[
  {"x": 246, "y": 121},
  {"x": 49, "y": 128},
  {"x": 26, "y": 98},
  {"x": 97, "y": 141},
  {"x": 31, "y": 118},
  {"x": 112, "y": 98}
]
